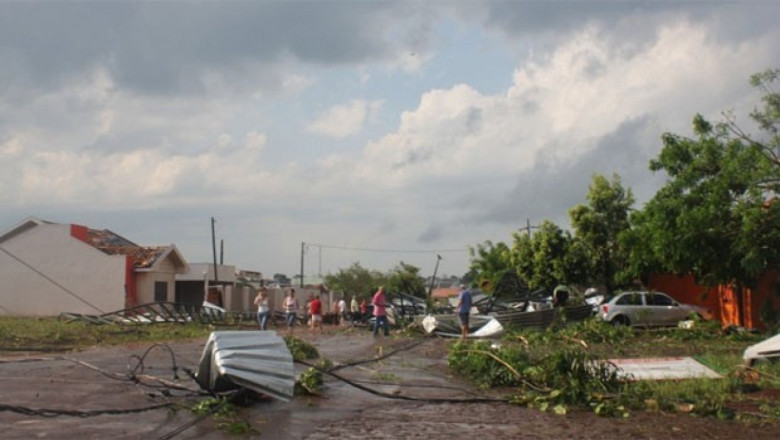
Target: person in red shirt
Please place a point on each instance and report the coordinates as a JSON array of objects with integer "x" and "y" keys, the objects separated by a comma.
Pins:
[{"x": 316, "y": 313}]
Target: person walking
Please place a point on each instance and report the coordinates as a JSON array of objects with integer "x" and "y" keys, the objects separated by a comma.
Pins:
[
  {"x": 261, "y": 301},
  {"x": 290, "y": 306},
  {"x": 354, "y": 309},
  {"x": 315, "y": 307},
  {"x": 463, "y": 309},
  {"x": 342, "y": 312},
  {"x": 379, "y": 301}
]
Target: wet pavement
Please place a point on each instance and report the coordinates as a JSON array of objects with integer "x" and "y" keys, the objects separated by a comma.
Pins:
[
  {"x": 416, "y": 369},
  {"x": 95, "y": 380}
]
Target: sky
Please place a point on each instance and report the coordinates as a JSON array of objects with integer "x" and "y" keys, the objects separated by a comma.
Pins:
[{"x": 370, "y": 132}]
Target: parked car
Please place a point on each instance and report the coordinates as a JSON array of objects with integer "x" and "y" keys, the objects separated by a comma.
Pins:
[
  {"x": 648, "y": 309},
  {"x": 594, "y": 298}
]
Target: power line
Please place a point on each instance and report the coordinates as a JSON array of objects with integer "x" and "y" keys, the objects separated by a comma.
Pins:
[{"x": 396, "y": 251}]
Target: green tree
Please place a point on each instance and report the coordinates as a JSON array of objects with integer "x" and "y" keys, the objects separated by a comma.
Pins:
[
  {"x": 355, "y": 280},
  {"x": 489, "y": 262},
  {"x": 598, "y": 226},
  {"x": 541, "y": 260},
  {"x": 716, "y": 217},
  {"x": 405, "y": 278}
]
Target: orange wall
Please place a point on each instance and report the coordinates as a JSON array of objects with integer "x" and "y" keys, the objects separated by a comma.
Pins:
[
  {"x": 79, "y": 232},
  {"x": 721, "y": 300}
]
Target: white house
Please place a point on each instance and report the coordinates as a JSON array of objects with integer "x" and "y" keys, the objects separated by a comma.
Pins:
[
  {"x": 47, "y": 268},
  {"x": 200, "y": 284}
]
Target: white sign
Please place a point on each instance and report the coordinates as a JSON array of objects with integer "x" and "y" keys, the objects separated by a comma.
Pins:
[{"x": 663, "y": 368}]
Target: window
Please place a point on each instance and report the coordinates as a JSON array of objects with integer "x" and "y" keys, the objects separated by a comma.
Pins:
[
  {"x": 658, "y": 299},
  {"x": 160, "y": 291},
  {"x": 630, "y": 299}
]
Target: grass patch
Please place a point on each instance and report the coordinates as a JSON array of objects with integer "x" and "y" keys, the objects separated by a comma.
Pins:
[
  {"x": 44, "y": 334},
  {"x": 556, "y": 369}
]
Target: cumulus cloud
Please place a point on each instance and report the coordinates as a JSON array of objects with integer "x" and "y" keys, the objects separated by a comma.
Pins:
[
  {"x": 586, "y": 107},
  {"x": 345, "y": 119},
  {"x": 296, "y": 83},
  {"x": 180, "y": 110}
]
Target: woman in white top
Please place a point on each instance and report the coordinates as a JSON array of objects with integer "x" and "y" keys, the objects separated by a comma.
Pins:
[
  {"x": 261, "y": 301},
  {"x": 290, "y": 306}
]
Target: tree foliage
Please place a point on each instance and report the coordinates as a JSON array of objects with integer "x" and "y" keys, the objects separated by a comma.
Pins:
[
  {"x": 717, "y": 216},
  {"x": 598, "y": 226},
  {"x": 405, "y": 278},
  {"x": 355, "y": 280},
  {"x": 489, "y": 261},
  {"x": 544, "y": 259}
]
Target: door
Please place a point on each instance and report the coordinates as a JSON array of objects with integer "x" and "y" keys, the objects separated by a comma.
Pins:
[{"x": 663, "y": 309}]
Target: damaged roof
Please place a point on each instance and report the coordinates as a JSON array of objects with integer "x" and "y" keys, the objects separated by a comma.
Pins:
[
  {"x": 112, "y": 243},
  {"x": 143, "y": 257}
]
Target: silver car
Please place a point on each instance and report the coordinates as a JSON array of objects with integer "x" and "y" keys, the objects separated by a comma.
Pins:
[{"x": 648, "y": 309}]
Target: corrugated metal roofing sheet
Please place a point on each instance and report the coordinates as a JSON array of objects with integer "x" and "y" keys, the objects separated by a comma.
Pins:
[{"x": 256, "y": 360}]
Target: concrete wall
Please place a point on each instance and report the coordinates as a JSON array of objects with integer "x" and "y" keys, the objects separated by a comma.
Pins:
[
  {"x": 92, "y": 282},
  {"x": 205, "y": 271}
]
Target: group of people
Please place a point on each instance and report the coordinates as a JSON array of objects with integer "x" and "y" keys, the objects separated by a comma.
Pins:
[
  {"x": 379, "y": 302},
  {"x": 289, "y": 305},
  {"x": 314, "y": 308}
]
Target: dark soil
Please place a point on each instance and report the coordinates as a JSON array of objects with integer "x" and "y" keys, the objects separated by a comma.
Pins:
[{"x": 409, "y": 394}]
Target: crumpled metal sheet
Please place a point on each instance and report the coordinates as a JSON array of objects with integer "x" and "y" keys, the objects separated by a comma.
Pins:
[
  {"x": 256, "y": 360},
  {"x": 480, "y": 326}
]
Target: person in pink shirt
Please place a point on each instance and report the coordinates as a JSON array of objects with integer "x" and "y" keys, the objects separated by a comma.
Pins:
[{"x": 379, "y": 301}]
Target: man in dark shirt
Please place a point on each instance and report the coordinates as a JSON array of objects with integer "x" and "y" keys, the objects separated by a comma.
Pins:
[{"x": 463, "y": 310}]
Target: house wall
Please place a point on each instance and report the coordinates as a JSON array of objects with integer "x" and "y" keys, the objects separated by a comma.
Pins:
[
  {"x": 164, "y": 271},
  {"x": 93, "y": 282},
  {"x": 205, "y": 271}
]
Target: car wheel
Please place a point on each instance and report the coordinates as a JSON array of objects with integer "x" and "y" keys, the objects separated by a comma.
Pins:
[{"x": 620, "y": 320}]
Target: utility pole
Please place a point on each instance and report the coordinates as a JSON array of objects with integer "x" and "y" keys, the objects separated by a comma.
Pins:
[
  {"x": 303, "y": 246},
  {"x": 214, "y": 249},
  {"x": 528, "y": 226},
  {"x": 433, "y": 280}
]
